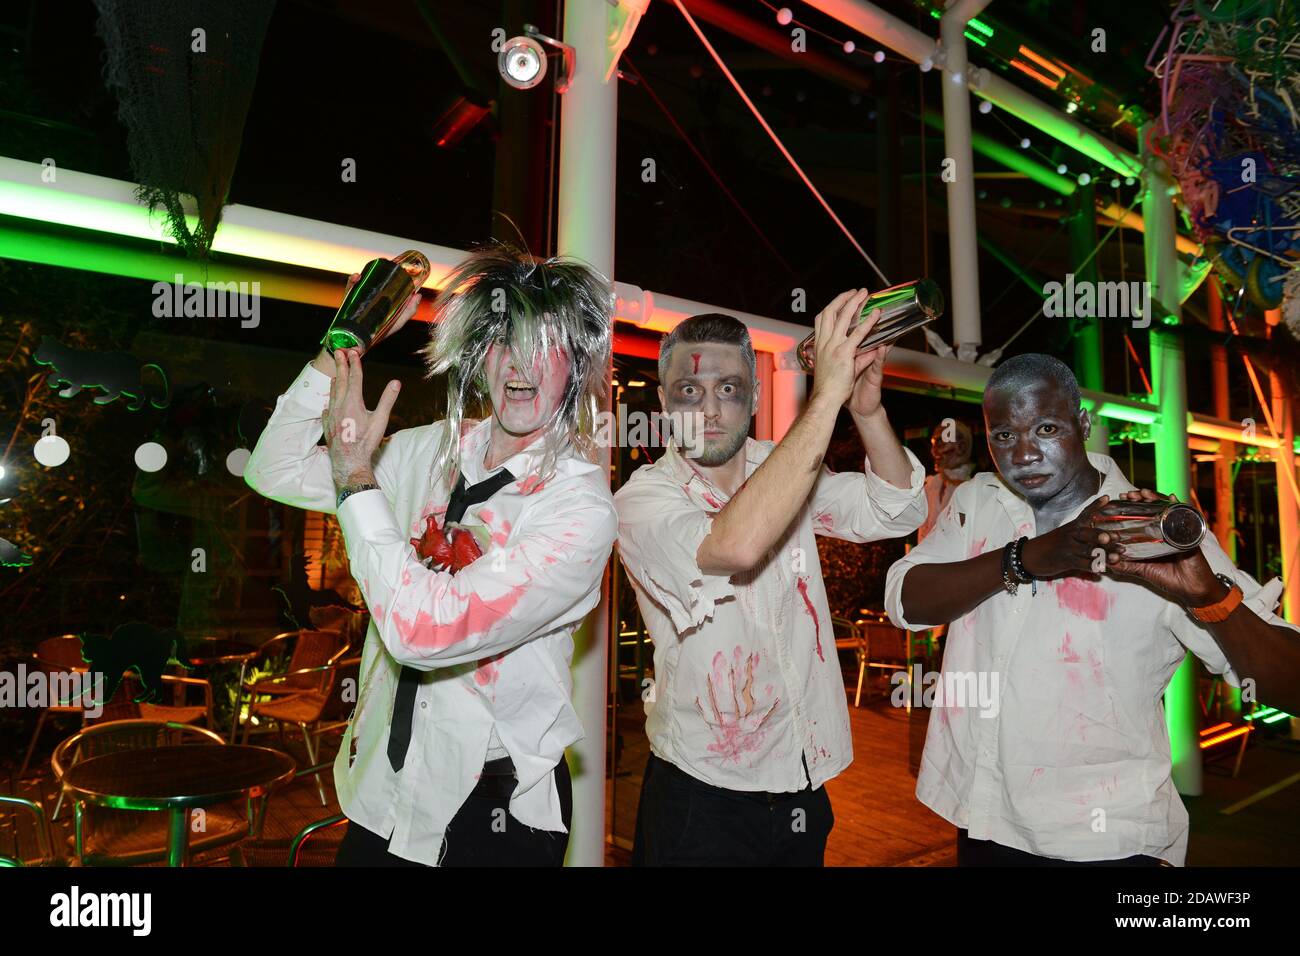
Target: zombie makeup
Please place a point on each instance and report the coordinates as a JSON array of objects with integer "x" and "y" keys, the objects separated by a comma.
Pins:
[
  {"x": 1037, "y": 442},
  {"x": 507, "y": 318},
  {"x": 711, "y": 383}
]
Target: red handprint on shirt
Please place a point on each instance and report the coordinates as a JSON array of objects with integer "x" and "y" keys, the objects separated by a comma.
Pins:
[{"x": 741, "y": 730}]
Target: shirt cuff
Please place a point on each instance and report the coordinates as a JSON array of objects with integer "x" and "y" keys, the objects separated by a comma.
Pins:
[
  {"x": 311, "y": 389},
  {"x": 363, "y": 513},
  {"x": 887, "y": 497}
]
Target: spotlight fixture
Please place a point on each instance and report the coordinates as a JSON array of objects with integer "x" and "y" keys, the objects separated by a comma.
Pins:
[{"x": 522, "y": 60}]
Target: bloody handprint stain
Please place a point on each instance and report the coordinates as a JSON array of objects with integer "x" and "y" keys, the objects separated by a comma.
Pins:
[{"x": 741, "y": 730}]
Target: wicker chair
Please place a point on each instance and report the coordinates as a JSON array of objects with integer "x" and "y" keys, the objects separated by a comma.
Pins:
[
  {"x": 316, "y": 712},
  {"x": 109, "y": 837},
  {"x": 315, "y": 845},
  {"x": 56, "y": 655},
  {"x": 43, "y": 843}
]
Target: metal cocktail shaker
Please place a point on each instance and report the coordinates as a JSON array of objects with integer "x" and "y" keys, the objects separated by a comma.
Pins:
[
  {"x": 373, "y": 304},
  {"x": 1152, "y": 529},
  {"x": 902, "y": 308}
]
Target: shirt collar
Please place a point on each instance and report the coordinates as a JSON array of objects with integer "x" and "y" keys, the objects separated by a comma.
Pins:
[
  {"x": 680, "y": 468},
  {"x": 474, "y": 448},
  {"x": 1113, "y": 483}
]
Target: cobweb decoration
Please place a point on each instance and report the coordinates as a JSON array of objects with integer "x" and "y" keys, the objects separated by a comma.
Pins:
[{"x": 184, "y": 72}]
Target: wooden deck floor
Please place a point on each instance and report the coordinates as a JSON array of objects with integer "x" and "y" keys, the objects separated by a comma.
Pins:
[{"x": 878, "y": 821}]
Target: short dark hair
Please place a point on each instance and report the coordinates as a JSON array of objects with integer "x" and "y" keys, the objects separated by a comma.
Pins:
[
  {"x": 708, "y": 327},
  {"x": 1024, "y": 371}
]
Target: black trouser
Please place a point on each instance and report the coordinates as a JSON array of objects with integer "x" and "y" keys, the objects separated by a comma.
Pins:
[
  {"x": 482, "y": 833},
  {"x": 682, "y": 821},
  {"x": 987, "y": 853}
]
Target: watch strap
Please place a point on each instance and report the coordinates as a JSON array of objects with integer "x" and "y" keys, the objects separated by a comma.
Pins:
[
  {"x": 1219, "y": 610},
  {"x": 348, "y": 490}
]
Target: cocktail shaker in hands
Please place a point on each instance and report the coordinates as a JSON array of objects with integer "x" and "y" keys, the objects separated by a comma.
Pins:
[
  {"x": 1152, "y": 529},
  {"x": 373, "y": 304},
  {"x": 902, "y": 308}
]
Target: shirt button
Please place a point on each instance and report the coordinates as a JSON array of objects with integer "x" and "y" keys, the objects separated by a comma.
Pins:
[{"x": 424, "y": 704}]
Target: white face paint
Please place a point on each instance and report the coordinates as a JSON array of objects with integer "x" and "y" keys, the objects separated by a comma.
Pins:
[{"x": 524, "y": 401}]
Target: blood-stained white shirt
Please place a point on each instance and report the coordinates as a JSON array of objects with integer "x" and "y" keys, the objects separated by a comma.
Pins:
[
  {"x": 747, "y": 682},
  {"x": 496, "y": 638},
  {"x": 1073, "y": 759}
]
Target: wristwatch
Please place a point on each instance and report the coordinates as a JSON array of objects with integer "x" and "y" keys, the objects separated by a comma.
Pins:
[
  {"x": 347, "y": 490},
  {"x": 1219, "y": 610}
]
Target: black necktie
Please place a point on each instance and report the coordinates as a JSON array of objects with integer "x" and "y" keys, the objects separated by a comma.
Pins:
[{"x": 399, "y": 735}]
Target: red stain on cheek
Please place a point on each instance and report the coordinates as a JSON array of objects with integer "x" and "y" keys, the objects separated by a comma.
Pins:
[
  {"x": 695, "y": 358},
  {"x": 802, "y": 585}
]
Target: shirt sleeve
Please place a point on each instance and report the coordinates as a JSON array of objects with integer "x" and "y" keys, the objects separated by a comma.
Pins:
[
  {"x": 862, "y": 507},
  {"x": 1196, "y": 637},
  {"x": 948, "y": 541},
  {"x": 659, "y": 535},
  {"x": 289, "y": 466},
  {"x": 548, "y": 578}
]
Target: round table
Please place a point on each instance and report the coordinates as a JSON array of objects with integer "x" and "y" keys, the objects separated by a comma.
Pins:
[{"x": 177, "y": 779}]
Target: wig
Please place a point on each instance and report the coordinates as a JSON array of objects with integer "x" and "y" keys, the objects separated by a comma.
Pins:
[{"x": 501, "y": 292}]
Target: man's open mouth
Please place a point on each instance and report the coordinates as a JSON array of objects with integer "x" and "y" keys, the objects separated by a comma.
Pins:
[
  {"x": 520, "y": 391},
  {"x": 1033, "y": 481}
]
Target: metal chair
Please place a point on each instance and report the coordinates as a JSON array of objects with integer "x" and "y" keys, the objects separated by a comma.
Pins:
[
  {"x": 109, "y": 837},
  {"x": 274, "y": 853},
  {"x": 43, "y": 843},
  {"x": 887, "y": 648},
  {"x": 316, "y": 712},
  {"x": 849, "y": 637},
  {"x": 307, "y": 650},
  {"x": 55, "y": 656}
]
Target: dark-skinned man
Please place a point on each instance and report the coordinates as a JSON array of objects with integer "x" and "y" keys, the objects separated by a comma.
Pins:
[
  {"x": 1073, "y": 764},
  {"x": 748, "y": 717}
]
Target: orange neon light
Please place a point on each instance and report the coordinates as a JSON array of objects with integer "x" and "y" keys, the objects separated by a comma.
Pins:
[
  {"x": 1228, "y": 736},
  {"x": 1035, "y": 74},
  {"x": 1210, "y": 730},
  {"x": 1043, "y": 62}
]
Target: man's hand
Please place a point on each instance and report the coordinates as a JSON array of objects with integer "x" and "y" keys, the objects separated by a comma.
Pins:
[
  {"x": 838, "y": 364},
  {"x": 1072, "y": 548},
  {"x": 1185, "y": 579},
  {"x": 351, "y": 431}
]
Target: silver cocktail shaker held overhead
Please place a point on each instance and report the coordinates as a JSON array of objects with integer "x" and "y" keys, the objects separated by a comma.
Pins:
[
  {"x": 373, "y": 304},
  {"x": 1152, "y": 529},
  {"x": 902, "y": 308}
]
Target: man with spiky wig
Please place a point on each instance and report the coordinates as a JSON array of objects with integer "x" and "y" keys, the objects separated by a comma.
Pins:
[{"x": 479, "y": 547}]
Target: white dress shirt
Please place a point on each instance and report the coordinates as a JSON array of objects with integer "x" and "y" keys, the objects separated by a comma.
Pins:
[
  {"x": 938, "y": 492},
  {"x": 1073, "y": 762},
  {"x": 496, "y": 638},
  {"x": 747, "y": 681}
]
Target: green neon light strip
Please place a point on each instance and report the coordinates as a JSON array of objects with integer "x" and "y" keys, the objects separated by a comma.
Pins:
[
  {"x": 1261, "y": 713},
  {"x": 970, "y": 36},
  {"x": 981, "y": 26},
  {"x": 1276, "y": 717}
]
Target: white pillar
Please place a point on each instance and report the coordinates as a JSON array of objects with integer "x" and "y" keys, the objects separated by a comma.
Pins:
[
  {"x": 963, "y": 250},
  {"x": 788, "y": 391},
  {"x": 586, "y": 230},
  {"x": 1173, "y": 475}
]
